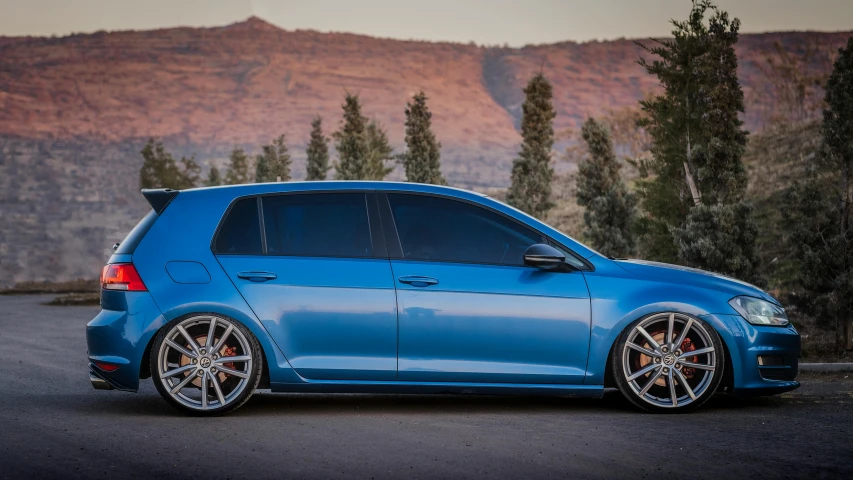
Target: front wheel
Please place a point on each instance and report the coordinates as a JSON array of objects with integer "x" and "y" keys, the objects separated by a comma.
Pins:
[
  {"x": 668, "y": 362},
  {"x": 205, "y": 364}
]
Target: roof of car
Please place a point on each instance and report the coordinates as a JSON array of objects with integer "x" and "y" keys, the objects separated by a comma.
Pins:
[{"x": 342, "y": 185}]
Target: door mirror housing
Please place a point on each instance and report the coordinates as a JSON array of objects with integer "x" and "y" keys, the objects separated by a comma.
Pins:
[{"x": 545, "y": 257}]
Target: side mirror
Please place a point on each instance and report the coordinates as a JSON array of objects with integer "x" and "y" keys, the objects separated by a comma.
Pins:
[{"x": 544, "y": 256}]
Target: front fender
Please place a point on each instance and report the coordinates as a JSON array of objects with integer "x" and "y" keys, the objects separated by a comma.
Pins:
[{"x": 619, "y": 298}]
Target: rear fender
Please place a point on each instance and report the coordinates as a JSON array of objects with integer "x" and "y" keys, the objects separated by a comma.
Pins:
[{"x": 279, "y": 368}]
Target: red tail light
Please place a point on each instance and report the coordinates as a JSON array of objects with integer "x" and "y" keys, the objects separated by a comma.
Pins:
[{"x": 122, "y": 276}]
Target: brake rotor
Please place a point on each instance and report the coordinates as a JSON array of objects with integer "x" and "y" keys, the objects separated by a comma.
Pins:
[
  {"x": 686, "y": 346},
  {"x": 225, "y": 351}
]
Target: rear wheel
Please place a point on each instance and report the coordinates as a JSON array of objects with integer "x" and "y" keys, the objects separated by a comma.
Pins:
[
  {"x": 206, "y": 364},
  {"x": 668, "y": 362}
]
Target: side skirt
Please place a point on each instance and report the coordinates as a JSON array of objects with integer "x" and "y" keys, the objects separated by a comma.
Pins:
[{"x": 348, "y": 386}]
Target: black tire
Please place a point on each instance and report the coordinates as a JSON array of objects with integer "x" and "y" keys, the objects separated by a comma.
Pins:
[
  {"x": 645, "y": 390},
  {"x": 243, "y": 340}
]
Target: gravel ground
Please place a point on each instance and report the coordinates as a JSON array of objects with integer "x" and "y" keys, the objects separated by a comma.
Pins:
[{"x": 54, "y": 425}]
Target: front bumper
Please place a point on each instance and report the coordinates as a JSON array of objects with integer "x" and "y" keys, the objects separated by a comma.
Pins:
[
  {"x": 764, "y": 360},
  {"x": 118, "y": 336}
]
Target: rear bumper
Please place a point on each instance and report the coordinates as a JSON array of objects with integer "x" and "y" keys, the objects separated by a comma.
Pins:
[
  {"x": 765, "y": 360},
  {"x": 118, "y": 336},
  {"x": 98, "y": 382}
]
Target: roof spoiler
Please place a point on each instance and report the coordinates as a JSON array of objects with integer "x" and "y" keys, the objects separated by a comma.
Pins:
[{"x": 159, "y": 198}]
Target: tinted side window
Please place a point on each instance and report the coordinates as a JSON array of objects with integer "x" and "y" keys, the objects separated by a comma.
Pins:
[
  {"x": 433, "y": 228},
  {"x": 241, "y": 231},
  {"x": 317, "y": 225}
]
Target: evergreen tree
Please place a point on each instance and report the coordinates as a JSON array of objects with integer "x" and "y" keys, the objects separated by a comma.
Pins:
[
  {"x": 213, "y": 177},
  {"x": 238, "y": 168},
  {"x": 609, "y": 213},
  {"x": 694, "y": 199},
  {"x": 818, "y": 210},
  {"x": 422, "y": 159},
  {"x": 189, "y": 175},
  {"x": 262, "y": 165},
  {"x": 273, "y": 164},
  {"x": 351, "y": 143},
  {"x": 318, "y": 152},
  {"x": 379, "y": 151},
  {"x": 159, "y": 169},
  {"x": 530, "y": 190}
]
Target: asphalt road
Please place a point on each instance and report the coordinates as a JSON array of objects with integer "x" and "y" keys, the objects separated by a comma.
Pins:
[{"x": 53, "y": 424}]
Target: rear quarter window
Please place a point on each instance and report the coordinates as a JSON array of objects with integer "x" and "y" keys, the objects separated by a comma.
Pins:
[{"x": 240, "y": 232}]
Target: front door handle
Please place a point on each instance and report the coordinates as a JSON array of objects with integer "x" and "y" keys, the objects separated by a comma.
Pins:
[
  {"x": 256, "y": 276},
  {"x": 417, "y": 280}
]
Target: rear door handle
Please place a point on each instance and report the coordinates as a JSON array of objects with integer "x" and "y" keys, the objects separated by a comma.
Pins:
[
  {"x": 256, "y": 276},
  {"x": 417, "y": 280}
]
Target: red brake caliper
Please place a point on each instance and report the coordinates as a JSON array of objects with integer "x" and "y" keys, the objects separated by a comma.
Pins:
[
  {"x": 687, "y": 346},
  {"x": 229, "y": 352}
]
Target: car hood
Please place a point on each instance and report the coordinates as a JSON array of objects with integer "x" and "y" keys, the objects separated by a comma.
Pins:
[{"x": 693, "y": 276}]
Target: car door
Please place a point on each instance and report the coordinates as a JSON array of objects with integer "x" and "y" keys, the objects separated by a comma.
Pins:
[
  {"x": 317, "y": 276},
  {"x": 469, "y": 310}
]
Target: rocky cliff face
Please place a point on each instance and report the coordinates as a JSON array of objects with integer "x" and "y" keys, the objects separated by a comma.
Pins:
[{"x": 74, "y": 112}]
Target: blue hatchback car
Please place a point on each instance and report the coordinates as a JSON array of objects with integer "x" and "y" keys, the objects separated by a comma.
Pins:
[{"x": 399, "y": 287}]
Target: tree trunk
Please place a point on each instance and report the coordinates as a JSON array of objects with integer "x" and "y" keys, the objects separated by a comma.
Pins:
[
  {"x": 697, "y": 197},
  {"x": 694, "y": 192}
]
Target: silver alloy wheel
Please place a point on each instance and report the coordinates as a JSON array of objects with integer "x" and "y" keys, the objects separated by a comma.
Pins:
[
  {"x": 669, "y": 360},
  {"x": 205, "y": 362}
]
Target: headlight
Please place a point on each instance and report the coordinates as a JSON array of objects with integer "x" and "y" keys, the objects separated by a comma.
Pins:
[{"x": 759, "y": 312}]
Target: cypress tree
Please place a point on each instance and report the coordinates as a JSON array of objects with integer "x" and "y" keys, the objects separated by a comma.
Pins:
[
  {"x": 262, "y": 165},
  {"x": 159, "y": 169},
  {"x": 351, "y": 143},
  {"x": 609, "y": 207},
  {"x": 818, "y": 210},
  {"x": 530, "y": 190},
  {"x": 422, "y": 160},
  {"x": 273, "y": 163},
  {"x": 189, "y": 175},
  {"x": 155, "y": 165},
  {"x": 318, "y": 152},
  {"x": 213, "y": 177},
  {"x": 238, "y": 168},
  {"x": 694, "y": 201},
  {"x": 379, "y": 151}
]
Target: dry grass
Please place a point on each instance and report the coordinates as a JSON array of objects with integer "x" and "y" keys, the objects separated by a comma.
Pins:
[
  {"x": 35, "y": 288},
  {"x": 76, "y": 300}
]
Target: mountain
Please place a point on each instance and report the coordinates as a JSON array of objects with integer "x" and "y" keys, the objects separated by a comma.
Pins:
[
  {"x": 76, "y": 110},
  {"x": 248, "y": 82}
]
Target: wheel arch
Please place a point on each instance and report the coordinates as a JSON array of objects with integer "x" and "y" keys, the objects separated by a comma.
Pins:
[
  {"x": 268, "y": 349},
  {"x": 605, "y": 376}
]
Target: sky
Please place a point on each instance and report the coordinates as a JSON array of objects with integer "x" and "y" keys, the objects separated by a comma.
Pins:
[{"x": 485, "y": 22}]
